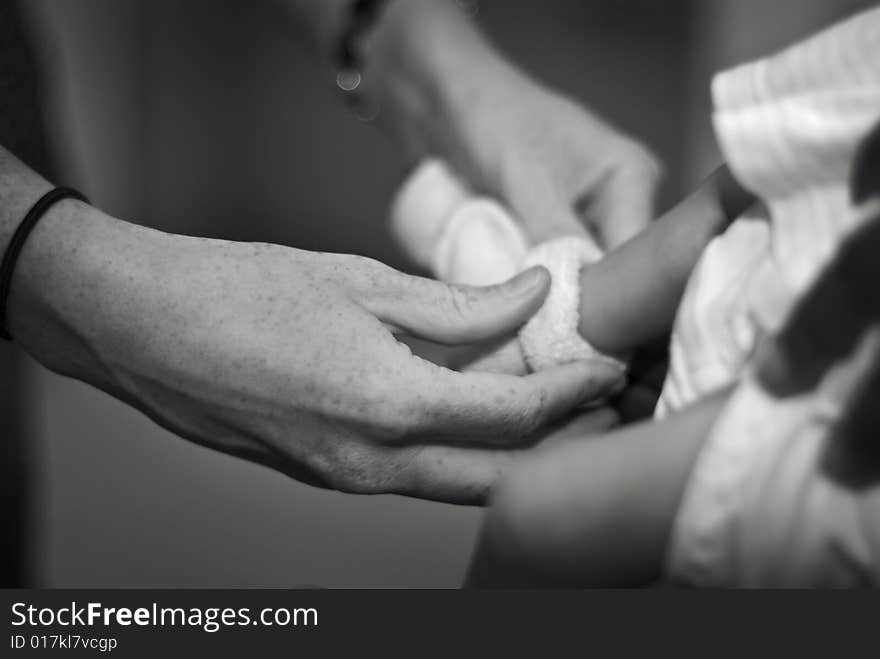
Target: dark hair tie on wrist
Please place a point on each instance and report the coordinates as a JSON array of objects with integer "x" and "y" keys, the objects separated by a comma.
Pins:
[{"x": 10, "y": 257}]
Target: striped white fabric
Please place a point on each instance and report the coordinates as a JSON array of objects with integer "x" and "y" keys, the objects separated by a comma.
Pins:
[
  {"x": 788, "y": 126},
  {"x": 758, "y": 510}
]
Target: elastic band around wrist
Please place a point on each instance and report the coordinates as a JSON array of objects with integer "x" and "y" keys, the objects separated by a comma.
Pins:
[{"x": 13, "y": 250}]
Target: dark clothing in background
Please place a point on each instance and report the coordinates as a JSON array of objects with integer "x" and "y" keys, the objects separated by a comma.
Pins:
[
  {"x": 21, "y": 132},
  {"x": 21, "y": 120}
]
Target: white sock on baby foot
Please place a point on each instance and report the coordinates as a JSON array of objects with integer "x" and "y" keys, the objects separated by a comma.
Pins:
[
  {"x": 422, "y": 207},
  {"x": 465, "y": 239},
  {"x": 480, "y": 245},
  {"x": 461, "y": 238},
  {"x": 551, "y": 336}
]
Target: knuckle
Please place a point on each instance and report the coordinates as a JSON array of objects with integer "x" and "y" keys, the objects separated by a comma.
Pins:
[
  {"x": 459, "y": 300},
  {"x": 365, "y": 274},
  {"x": 376, "y": 398},
  {"x": 531, "y": 414},
  {"x": 638, "y": 160},
  {"x": 352, "y": 467},
  {"x": 402, "y": 473},
  {"x": 396, "y": 419},
  {"x": 390, "y": 428},
  {"x": 361, "y": 263},
  {"x": 646, "y": 163}
]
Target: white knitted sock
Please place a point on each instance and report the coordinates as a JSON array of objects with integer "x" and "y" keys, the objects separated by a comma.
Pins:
[
  {"x": 480, "y": 245},
  {"x": 422, "y": 207},
  {"x": 466, "y": 239},
  {"x": 551, "y": 336},
  {"x": 461, "y": 238}
]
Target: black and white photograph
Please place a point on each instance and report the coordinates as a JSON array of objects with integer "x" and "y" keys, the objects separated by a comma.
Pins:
[{"x": 323, "y": 295}]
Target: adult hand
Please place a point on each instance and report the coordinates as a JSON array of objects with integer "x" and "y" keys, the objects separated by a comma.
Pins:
[
  {"x": 560, "y": 168},
  {"x": 445, "y": 91},
  {"x": 288, "y": 358}
]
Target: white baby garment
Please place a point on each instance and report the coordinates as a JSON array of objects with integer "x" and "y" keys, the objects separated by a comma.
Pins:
[{"x": 758, "y": 510}]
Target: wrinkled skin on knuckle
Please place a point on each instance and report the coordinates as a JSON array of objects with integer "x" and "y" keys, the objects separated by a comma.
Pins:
[
  {"x": 353, "y": 465},
  {"x": 535, "y": 414},
  {"x": 371, "y": 274},
  {"x": 399, "y": 421},
  {"x": 525, "y": 419},
  {"x": 459, "y": 300},
  {"x": 382, "y": 408},
  {"x": 355, "y": 384},
  {"x": 359, "y": 274},
  {"x": 400, "y": 472},
  {"x": 515, "y": 414}
]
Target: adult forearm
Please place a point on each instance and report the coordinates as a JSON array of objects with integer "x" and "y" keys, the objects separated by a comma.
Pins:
[
  {"x": 71, "y": 277},
  {"x": 20, "y": 187},
  {"x": 427, "y": 69}
]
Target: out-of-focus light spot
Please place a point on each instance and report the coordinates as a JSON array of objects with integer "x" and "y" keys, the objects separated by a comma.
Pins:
[{"x": 348, "y": 80}]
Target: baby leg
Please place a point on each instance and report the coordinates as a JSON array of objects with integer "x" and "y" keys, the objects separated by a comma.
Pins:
[{"x": 594, "y": 512}]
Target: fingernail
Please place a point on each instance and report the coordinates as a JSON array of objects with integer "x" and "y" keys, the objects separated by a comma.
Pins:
[
  {"x": 618, "y": 387},
  {"x": 527, "y": 281},
  {"x": 606, "y": 379}
]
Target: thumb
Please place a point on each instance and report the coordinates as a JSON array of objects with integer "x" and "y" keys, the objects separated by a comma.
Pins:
[
  {"x": 622, "y": 204},
  {"x": 454, "y": 314}
]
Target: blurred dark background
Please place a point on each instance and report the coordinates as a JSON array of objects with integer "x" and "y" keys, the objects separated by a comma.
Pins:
[{"x": 205, "y": 117}]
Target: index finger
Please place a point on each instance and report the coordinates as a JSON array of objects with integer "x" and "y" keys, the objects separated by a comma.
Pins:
[
  {"x": 623, "y": 202},
  {"x": 466, "y": 475},
  {"x": 495, "y": 408}
]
